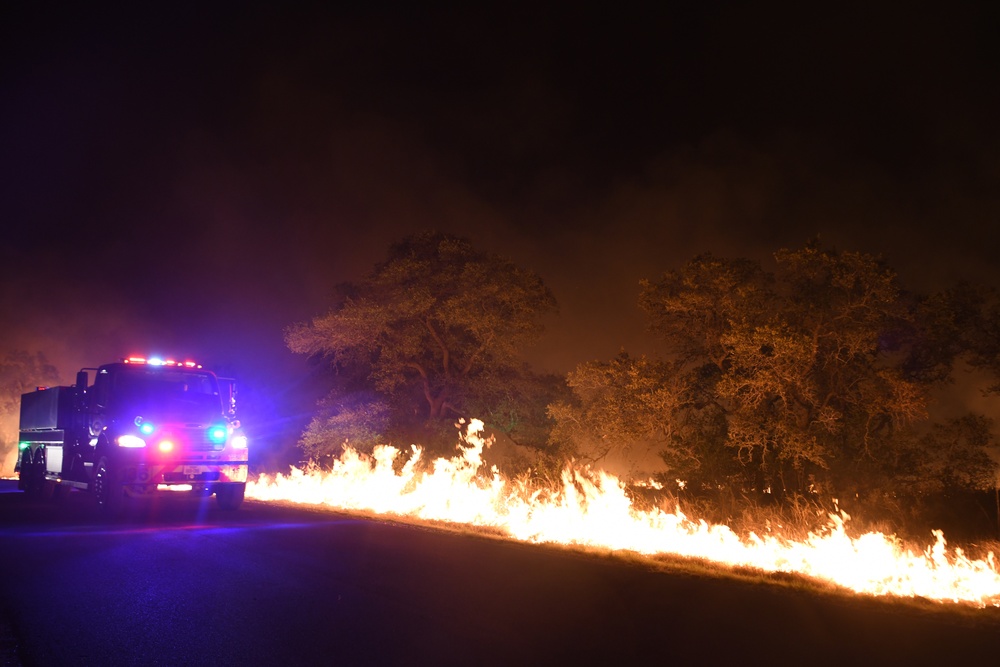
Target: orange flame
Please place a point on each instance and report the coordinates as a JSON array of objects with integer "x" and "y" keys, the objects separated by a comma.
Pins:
[{"x": 592, "y": 508}]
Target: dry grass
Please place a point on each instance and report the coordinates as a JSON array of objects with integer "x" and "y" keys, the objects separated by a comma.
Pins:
[{"x": 798, "y": 517}]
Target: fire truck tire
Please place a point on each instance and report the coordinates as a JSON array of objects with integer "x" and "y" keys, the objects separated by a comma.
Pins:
[
  {"x": 110, "y": 496},
  {"x": 230, "y": 497},
  {"x": 34, "y": 474},
  {"x": 24, "y": 468}
]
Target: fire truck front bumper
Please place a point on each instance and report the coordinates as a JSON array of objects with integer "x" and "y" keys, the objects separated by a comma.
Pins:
[{"x": 143, "y": 480}]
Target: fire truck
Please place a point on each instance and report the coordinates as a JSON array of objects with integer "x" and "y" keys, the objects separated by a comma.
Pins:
[{"x": 144, "y": 427}]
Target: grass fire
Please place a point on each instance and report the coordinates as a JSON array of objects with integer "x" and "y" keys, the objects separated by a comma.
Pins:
[{"x": 591, "y": 508}]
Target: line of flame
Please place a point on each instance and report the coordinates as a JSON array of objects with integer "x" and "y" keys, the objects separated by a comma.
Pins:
[{"x": 592, "y": 508}]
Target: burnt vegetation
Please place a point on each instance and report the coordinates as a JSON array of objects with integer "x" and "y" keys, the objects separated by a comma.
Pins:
[{"x": 787, "y": 389}]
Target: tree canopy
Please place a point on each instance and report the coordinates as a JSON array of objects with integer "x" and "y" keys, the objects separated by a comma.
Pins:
[
  {"x": 815, "y": 376},
  {"x": 430, "y": 323}
]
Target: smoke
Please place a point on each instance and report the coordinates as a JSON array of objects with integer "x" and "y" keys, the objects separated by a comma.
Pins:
[
  {"x": 199, "y": 215},
  {"x": 740, "y": 198},
  {"x": 54, "y": 327}
]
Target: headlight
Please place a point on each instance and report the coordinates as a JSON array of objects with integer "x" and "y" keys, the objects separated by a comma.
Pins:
[
  {"x": 238, "y": 442},
  {"x": 131, "y": 441}
]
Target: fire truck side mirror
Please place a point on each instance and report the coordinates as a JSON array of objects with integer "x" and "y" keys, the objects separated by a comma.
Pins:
[
  {"x": 81, "y": 380},
  {"x": 227, "y": 387}
]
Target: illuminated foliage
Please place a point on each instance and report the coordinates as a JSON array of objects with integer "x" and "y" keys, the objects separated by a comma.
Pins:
[
  {"x": 432, "y": 321},
  {"x": 633, "y": 404},
  {"x": 814, "y": 377},
  {"x": 359, "y": 424},
  {"x": 798, "y": 364},
  {"x": 513, "y": 401},
  {"x": 691, "y": 310}
]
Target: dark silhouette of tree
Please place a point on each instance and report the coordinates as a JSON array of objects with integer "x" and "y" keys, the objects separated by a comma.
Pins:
[{"x": 978, "y": 326}]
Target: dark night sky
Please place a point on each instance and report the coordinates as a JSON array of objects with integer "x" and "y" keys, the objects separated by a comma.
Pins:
[{"x": 193, "y": 180}]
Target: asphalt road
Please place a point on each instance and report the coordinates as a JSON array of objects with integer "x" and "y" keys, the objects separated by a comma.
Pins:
[{"x": 182, "y": 583}]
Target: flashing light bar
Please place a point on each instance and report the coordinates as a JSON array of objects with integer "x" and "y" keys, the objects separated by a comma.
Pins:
[{"x": 156, "y": 361}]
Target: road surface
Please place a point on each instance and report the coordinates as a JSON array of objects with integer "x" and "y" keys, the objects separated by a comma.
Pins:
[{"x": 182, "y": 583}]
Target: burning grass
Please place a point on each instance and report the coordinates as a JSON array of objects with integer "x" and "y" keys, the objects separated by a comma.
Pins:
[{"x": 593, "y": 509}]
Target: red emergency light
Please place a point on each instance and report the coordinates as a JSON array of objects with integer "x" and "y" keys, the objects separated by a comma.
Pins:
[{"x": 156, "y": 361}]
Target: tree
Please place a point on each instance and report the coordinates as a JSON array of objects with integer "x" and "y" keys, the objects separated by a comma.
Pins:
[
  {"x": 691, "y": 310},
  {"x": 809, "y": 385},
  {"x": 949, "y": 456},
  {"x": 429, "y": 324},
  {"x": 978, "y": 326},
  {"x": 20, "y": 372},
  {"x": 351, "y": 420},
  {"x": 515, "y": 402},
  {"x": 814, "y": 376},
  {"x": 631, "y": 404}
]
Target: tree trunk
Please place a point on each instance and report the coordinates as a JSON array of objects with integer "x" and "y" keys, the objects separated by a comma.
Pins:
[{"x": 437, "y": 404}]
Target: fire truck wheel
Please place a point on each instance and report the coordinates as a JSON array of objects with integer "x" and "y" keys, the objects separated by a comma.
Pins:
[
  {"x": 230, "y": 497},
  {"x": 108, "y": 494},
  {"x": 23, "y": 468},
  {"x": 27, "y": 470},
  {"x": 34, "y": 474}
]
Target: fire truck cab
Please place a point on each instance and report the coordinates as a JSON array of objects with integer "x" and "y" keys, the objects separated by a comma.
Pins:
[{"x": 145, "y": 426}]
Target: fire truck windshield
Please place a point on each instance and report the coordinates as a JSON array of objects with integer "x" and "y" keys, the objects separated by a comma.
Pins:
[{"x": 166, "y": 393}]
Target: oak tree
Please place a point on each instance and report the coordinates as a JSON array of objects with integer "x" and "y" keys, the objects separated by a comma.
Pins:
[
  {"x": 429, "y": 324},
  {"x": 813, "y": 377},
  {"x": 633, "y": 405}
]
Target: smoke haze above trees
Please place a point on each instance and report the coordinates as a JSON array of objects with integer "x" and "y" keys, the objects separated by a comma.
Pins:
[{"x": 191, "y": 181}]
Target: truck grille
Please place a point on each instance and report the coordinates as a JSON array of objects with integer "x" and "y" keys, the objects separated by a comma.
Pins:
[{"x": 197, "y": 439}]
